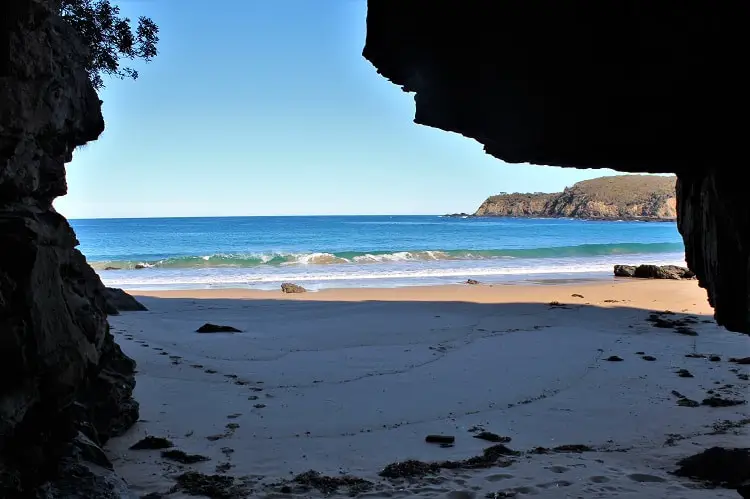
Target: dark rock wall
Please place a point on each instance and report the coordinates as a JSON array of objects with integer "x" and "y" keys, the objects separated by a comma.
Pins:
[
  {"x": 636, "y": 86},
  {"x": 714, "y": 219},
  {"x": 62, "y": 377}
]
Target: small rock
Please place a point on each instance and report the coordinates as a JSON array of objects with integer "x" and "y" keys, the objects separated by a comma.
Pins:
[
  {"x": 289, "y": 287},
  {"x": 259, "y": 406},
  {"x": 717, "y": 466},
  {"x": 182, "y": 457},
  {"x": 440, "y": 439},
  {"x": 684, "y": 373},
  {"x": 686, "y": 402},
  {"x": 472, "y": 281},
  {"x": 576, "y": 295},
  {"x": 614, "y": 358},
  {"x": 685, "y": 331},
  {"x": 215, "y": 328},
  {"x": 741, "y": 361},
  {"x": 151, "y": 442},
  {"x": 492, "y": 437},
  {"x": 714, "y": 358},
  {"x": 717, "y": 401},
  {"x": 649, "y": 358},
  {"x": 640, "y": 353}
]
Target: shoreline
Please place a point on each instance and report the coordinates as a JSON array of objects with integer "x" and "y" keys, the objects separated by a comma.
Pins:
[{"x": 638, "y": 293}]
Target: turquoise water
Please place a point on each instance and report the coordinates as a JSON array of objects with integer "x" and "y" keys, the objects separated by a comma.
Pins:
[{"x": 357, "y": 251}]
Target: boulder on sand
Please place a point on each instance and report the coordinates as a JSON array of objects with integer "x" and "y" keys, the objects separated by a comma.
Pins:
[
  {"x": 654, "y": 272},
  {"x": 288, "y": 287}
]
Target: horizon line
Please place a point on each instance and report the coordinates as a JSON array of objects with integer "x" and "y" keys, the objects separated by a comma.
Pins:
[{"x": 270, "y": 216}]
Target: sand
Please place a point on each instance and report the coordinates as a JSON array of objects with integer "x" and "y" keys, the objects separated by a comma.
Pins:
[{"x": 348, "y": 381}]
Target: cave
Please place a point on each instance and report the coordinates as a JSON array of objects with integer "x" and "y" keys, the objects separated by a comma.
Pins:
[
  {"x": 636, "y": 86},
  {"x": 633, "y": 86}
]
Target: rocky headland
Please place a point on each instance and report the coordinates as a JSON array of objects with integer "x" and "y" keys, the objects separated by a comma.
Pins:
[{"x": 622, "y": 197}]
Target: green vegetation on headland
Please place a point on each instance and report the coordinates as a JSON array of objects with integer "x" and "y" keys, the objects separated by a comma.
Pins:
[{"x": 622, "y": 197}]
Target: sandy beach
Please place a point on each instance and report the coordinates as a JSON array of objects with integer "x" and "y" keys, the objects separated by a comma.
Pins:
[{"x": 345, "y": 382}]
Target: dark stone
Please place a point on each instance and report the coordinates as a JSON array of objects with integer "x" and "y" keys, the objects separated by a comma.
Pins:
[
  {"x": 649, "y": 358},
  {"x": 741, "y": 361},
  {"x": 123, "y": 302},
  {"x": 624, "y": 270},
  {"x": 214, "y": 328},
  {"x": 576, "y": 295},
  {"x": 663, "y": 272},
  {"x": 289, "y": 287},
  {"x": 440, "y": 439},
  {"x": 718, "y": 401},
  {"x": 686, "y": 331},
  {"x": 183, "y": 457},
  {"x": 472, "y": 281},
  {"x": 492, "y": 437},
  {"x": 686, "y": 402},
  {"x": 150, "y": 443},
  {"x": 614, "y": 358},
  {"x": 541, "y": 102},
  {"x": 714, "y": 358},
  {"x": 718, "y": 466},
  {"x": 684, "y": 373}
]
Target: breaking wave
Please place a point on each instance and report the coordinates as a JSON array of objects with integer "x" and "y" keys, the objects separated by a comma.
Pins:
[{"x": 280, "y": 259}]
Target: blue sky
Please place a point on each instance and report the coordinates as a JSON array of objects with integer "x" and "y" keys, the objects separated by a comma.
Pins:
[{"x": 268, "y": 108}]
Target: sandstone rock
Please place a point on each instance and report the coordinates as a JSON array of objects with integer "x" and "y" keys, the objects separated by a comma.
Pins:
[
  {"x": 288, "y": 287},
  {"x": 61, "y": 373},
  {"x": 123, "y": 302}
]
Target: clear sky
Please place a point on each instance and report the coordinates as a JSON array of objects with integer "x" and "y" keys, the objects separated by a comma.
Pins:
[{"x": 268, "y": 108}]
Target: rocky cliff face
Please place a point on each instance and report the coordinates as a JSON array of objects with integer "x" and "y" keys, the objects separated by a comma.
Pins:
[
  {"x": 636, "y": 86},
  {"x": 624, "y": 197},
  {"x": 65, "y": 386}
]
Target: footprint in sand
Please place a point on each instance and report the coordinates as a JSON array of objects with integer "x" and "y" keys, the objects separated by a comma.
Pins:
[
  {"x": 555, "y": 484},
  {"x": 558, "y": 469},
  {"x": 599, "y": 479},
  {"x": 197, "y": 366},
  {"x": 499, "y": 477},
  {"x": 210, "y": 371}
]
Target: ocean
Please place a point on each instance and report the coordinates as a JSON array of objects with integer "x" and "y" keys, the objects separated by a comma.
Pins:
[{"x": 364, "y": 251}]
